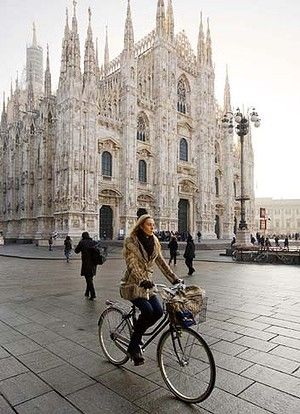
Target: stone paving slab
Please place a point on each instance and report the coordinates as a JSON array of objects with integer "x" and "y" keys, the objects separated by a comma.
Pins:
[
  {"x": 10, "y": 367},
  {"x": 289, "y": 342},
  {"x": 47, "y": 404},
  {"x": 273, "y": 400},
  {"x": 270, "y": 360},
  {"x": 162, "y": 402},
  {"x": 41, "y": 361},
  {"x": 229, "y": 348},
  {"x": 48, "y": 331},
  {"x": 99, "y": 399},
  {"x": 66, "y": 379},
  {"x": 255, "y": 343},
  {"x": 231, "y": 382},
  {"x": 275, "y": 379},
  {"x": 5, "y": 408},
  {"x": 23, "y": 387},
  {"x": 221, "y": 402}
]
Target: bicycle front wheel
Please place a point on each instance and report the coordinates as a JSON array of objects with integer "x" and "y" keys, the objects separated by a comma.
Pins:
[
  {"x": 114, "y": 335},
  {"x": 186, "y": 364}
]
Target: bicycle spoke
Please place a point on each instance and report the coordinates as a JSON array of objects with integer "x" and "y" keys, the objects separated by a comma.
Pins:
[
  {"x": 114, "y": 335},
  {"x": 187, "y": 365}
]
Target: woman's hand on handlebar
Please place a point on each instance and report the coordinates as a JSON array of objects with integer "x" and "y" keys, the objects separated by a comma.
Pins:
[{"x": 147, "y": 284}]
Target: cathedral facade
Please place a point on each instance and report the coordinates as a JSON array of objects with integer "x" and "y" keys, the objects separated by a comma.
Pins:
[{"x": 140, "y": 131}]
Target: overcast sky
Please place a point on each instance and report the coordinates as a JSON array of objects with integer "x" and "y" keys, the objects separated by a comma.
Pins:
[{"x": 258, "y": 39}]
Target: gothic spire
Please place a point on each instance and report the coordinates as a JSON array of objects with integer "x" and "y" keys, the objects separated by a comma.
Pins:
[
  {"x": 106, "y": 50},
  {"x": 17, "y": 82},
  {"x": 170, "y": 20},
  {"x": 74, "y": 46},
  {"x": 89, "y": 55},
  {"x": 97, "y": 57},
  {"x": 64, "y": 57},
  {"x": 34, "y": 41},
  {"x": 16, "y": 103},
  {"x": 227, "y": 96},
  {"x": 208, "y": 46},
  {"x": 67, "y": 30},
  {"x": 74, "y": 18},
  {"x": 128, "y": 35},
  {"x": 47, "y": 84},
  {"x": 201, "y": 44},
  {"x": 3, "y": 115},
  {"x": 30, "y": 93},
  {"x": 160, "y": 19}
]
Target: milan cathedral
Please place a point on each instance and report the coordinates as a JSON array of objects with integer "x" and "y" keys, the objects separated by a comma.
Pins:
[{"x": 140, "y": 131}]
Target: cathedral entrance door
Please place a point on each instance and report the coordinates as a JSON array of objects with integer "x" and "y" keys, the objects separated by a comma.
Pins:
[
  {"x": 217, "y": 226},
  {"x": 106, "y": 223},
  {"x": 183, "y": 214}
]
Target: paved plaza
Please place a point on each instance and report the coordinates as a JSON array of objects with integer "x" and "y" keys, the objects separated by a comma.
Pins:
[{"x": 51, "y": 363}]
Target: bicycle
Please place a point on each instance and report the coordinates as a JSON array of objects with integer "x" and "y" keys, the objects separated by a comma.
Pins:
[{"x": 185, "y": 360}]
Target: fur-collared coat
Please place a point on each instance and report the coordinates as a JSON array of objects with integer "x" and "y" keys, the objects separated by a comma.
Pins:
[{"x": 139, "y": 268}]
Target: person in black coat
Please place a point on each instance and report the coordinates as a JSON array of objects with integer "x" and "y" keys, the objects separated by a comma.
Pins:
[
  {"x": 68, "y": 248},
  {"x": 88, "y": 269},
  {"x": 189, "y": 254},
  {"x": 173, "y": 246}
]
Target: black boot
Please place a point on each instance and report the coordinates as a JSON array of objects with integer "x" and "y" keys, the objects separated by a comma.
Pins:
[{"x": 136, "y": 357}]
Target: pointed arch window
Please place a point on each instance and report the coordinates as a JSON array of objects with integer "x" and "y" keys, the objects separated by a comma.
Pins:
[
  {"x": 217, "y": 153},
  {"x": 142, "y": 171},
  {"x": 142, "y": 132},
  {"x": 183, "y": 150},
  {"x": 181, "y": 97},
  {"x": 32, "y": 129},
  {"x": 106, "y": 164},
  {"x": 217, "y": 185}
]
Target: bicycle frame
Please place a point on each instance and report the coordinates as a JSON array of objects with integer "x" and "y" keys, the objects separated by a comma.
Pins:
[{"x": 131, "y": 317}]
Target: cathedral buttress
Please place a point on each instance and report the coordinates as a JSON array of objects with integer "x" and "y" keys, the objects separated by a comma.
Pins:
[
  {"x": 128, "y": 102},
  {"x": 165, "y": 127}
]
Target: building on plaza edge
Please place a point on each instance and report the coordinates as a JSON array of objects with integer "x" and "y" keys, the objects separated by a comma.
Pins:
[
  {"x": 282, "y": 216},
  {"x": 140, "y": 131}
]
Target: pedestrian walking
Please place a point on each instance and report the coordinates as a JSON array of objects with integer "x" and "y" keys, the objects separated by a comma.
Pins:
[
  {"x": 199, "y": 236},
  {"x": 286, "y": 243},
  {"x": 88, "y": 268},
  {"x": 268, "y": 243},
  {"x": 68, "y": 248},
  {"x": 141, "y": 251},
  {"x": 50, "y": 243},
  {"x": 173, "y": 246},
  {"x": 189, "y": 254}
]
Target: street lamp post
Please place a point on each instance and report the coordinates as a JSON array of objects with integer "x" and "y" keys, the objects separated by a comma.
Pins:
[{"x": 241, "y": 124}]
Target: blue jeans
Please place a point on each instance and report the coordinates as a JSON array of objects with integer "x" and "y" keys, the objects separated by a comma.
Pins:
[{"x": 151, "y": 312}]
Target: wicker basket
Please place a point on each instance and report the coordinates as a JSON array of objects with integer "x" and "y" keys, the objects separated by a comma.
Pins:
[{"x": 191, "y": 299}]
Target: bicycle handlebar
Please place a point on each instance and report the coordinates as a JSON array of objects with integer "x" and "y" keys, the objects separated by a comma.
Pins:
[{"x": 172, "y": 289}]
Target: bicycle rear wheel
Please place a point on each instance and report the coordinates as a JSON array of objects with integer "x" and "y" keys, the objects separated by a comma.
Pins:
[
  {"x": 114, "y": 335},
  {"x": 186, "y": 364}
]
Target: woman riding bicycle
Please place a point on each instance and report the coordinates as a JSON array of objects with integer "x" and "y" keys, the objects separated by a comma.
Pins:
[{"x": 141, "y": 250}]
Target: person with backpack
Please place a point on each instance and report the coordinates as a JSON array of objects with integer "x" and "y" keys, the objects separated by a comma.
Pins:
[
  {"x": 68, "y": 248},
  {"x": 88, "y": 267}
]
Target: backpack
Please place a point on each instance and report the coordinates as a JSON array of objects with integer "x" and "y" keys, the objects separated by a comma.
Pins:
[{"x": 98, "y": 254}]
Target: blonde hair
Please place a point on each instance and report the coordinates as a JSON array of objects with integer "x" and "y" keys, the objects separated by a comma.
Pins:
[{"x": 141, "y": 220}]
